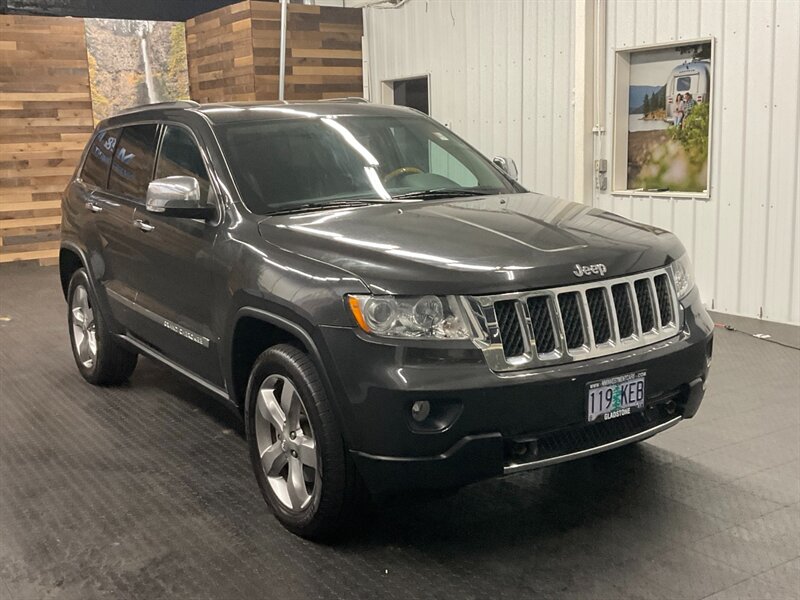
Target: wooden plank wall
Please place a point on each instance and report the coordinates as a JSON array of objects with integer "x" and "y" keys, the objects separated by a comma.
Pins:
[
  {"x": 323, "y": 51},
  {"x": 234, "y": 52},
  {"x": 45, "y": 121},
  {"x": 46, "y": 107},
  {"x": 219, "y": 49}
]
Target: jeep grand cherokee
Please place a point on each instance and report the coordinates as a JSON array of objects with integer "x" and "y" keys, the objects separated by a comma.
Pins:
[{"x": 386, "y": 308}]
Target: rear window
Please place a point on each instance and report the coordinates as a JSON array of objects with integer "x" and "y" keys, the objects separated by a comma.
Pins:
[
  {"x": 683, "y": 84},
  {"x": 98, "y": 160},
  {"x": 132, "y": 167}
]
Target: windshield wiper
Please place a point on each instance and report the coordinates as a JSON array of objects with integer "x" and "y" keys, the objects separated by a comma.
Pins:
[
  {"x": 442, "y": 193},
  {"x": 326, "y": 204}
]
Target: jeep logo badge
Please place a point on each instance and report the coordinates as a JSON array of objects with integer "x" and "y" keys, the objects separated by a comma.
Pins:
[{"x": 581, "y": 270}]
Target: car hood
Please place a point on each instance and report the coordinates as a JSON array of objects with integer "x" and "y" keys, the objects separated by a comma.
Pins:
[{"x": 474, "y": 245}]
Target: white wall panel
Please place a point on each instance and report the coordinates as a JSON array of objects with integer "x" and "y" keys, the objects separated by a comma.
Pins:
[
  {"x": 502, "y": 74},
  {"x": 743, "y": 240}
]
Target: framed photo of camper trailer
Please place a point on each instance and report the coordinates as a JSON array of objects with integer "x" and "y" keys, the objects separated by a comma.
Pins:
[{"x": 662, "y": 119}]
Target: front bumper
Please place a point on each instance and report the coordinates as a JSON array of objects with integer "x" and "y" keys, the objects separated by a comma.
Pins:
[{"x": 484, "y": 424}]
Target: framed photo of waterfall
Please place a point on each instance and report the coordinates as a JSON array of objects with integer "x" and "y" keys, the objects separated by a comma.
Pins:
[
  {"x": 134, "y": 62},
  {"x": 662, "y": 119}
]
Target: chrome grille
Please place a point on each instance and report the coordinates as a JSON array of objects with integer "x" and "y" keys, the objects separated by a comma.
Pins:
[
  {"x": 663, "y": 295},
  {"x": 623, "y": 309},
  {"x": 598, "y": 315},
  {"x": 526, "y": 330},
  {"x": 645, "y": 302},
  {"x": 510, "y": 329},
  {"x": 542, "y": 324},
  {"x": 571, "y": 317}
]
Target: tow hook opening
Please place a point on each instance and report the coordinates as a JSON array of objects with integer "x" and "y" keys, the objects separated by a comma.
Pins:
[{"x": 518, "y": 452}]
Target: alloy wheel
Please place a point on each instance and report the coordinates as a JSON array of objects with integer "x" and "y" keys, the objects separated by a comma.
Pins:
[
  {"x": 84, "y": 328},
  {"x": 286, "y": 443}
]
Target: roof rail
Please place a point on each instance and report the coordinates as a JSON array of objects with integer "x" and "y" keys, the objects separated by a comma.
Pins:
[
  {"x": 170, "y": 104},
  {"x": 358, "y": 99}
]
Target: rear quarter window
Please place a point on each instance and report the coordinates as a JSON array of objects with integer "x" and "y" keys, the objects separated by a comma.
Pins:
[
  {"x": 98, "y": 159},
  {"x": 132, "y": 167}
]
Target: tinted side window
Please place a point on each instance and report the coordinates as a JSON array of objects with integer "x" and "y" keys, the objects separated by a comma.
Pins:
[
  {"x": 133, "y": 161},
  {"x": 181, "y": 156},
  {"x": 98, "y": 160}
]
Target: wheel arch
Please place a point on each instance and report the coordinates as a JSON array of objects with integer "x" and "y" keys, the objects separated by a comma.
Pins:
[
  {"x": 254, "y": 330},
  {"x": 69, "y": 261}
]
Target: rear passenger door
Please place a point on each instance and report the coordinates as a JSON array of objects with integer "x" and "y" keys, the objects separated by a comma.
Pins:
[
  {"x": 131, "y": 170},
  {"x": 118, "y": 165},
  {"x": 177, "y": 264}
]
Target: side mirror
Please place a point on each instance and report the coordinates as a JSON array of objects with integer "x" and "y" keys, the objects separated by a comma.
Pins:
[
  {"x": 177, "y": 196},
  {"x": 507, "y": 166}
]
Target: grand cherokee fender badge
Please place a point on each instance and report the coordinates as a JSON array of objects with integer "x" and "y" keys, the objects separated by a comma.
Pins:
[{"x": 597, "y": 269}]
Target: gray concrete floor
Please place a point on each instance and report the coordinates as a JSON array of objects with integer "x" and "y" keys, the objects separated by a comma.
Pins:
[{"x": 145, "y": 491}]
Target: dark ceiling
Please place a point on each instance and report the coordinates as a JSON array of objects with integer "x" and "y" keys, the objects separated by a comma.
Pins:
[{"x": 152, "y": 10}]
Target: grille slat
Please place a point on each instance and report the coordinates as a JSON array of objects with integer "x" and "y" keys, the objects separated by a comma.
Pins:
[
  {"x": 571, "y": 317},
  {"x": 623, "y": 308},
  {"x": 664, "y": 300},
  {"x": 598, "y": 313},
  {"x": 510, "y": 330},
  {"x": 645, "y": 301},
  {"x": 542, "y": 324}
]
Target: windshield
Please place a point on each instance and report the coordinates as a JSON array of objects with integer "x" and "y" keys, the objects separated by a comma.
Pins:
[{"x": 283, "y": 164}]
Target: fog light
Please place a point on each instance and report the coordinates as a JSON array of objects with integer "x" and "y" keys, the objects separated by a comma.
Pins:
[{"x": 420, "y": 410}]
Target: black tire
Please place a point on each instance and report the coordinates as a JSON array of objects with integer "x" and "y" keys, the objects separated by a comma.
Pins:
[
  {"x": 111, "y": 364},
  {"x": 336, "y": 492}
]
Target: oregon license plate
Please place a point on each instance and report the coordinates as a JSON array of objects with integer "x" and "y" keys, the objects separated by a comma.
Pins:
[{"x": 615, "y": 397}]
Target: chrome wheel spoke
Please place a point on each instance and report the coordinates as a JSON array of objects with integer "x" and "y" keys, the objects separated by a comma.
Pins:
[
  {"x": 82, "y": 300},
  {"x": 83, "y": 348},
  {"x": 91, "y": 342},
  {"x": 80, "y": 297},
  {"x": 84, "y": 329},
  {"x": 269, "y": 408},
  {"x": 307, "y": 451},
  {"x": 290, "y": 404},
  {"x": 273, "y": 459},
  {"x": 80, "y": 338},
  {"x": 296, "y": 483}
]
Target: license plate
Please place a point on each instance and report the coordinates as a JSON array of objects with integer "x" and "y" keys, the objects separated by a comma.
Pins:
[{"x": 615, "y": 397}]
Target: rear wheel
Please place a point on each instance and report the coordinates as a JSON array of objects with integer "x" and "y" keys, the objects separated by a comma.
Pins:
[
  {"x": 296, "y": 448},
  {"x": 100, "y": 359}
]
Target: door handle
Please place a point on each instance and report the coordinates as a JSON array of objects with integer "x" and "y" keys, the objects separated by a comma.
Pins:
[
  {"x": 93, "y": 207},
  {"x": 143, "y": 226}
]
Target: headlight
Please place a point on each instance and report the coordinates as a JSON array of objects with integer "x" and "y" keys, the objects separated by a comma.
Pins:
[
  {"x": 422, "y": 317},
  {"x": 682, "y": 275}
]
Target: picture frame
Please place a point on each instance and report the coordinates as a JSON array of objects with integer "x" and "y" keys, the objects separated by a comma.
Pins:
[{"x": 657, "y": 148}]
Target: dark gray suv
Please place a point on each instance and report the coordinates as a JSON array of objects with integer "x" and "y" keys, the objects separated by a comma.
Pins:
[{"x": 387, "y": 309}]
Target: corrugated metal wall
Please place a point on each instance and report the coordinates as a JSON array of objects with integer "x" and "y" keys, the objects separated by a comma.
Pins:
[
  {"x": 743, "y": 240},
  {"x": 502, "y": 75}
]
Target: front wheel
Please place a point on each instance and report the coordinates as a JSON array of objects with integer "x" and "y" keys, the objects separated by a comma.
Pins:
[{"x": 296, "y": 448}]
